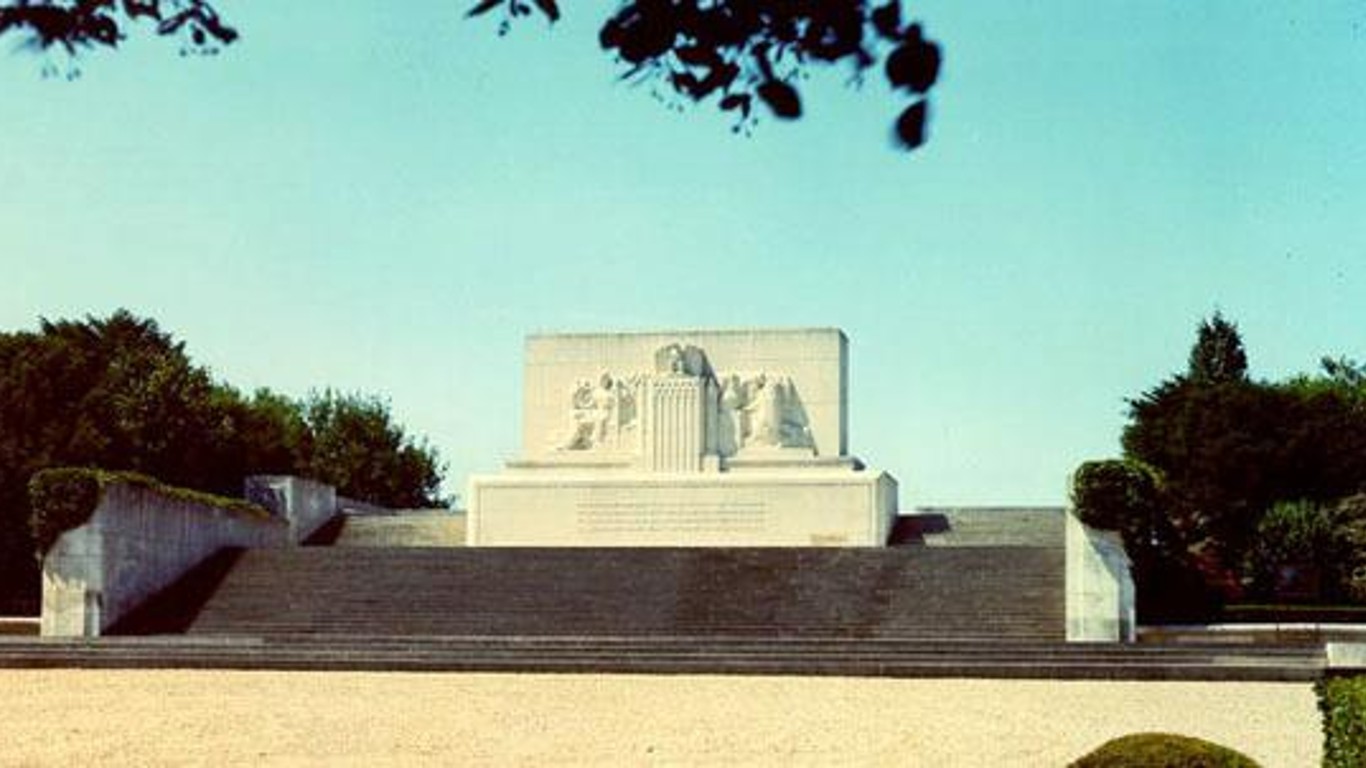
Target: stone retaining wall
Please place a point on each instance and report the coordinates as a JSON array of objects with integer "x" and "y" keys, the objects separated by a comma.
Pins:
[
  {"x": 136, "y": 543},
  {"x": 1100, "y": 586},
  {"x": 307, "y": 505}
]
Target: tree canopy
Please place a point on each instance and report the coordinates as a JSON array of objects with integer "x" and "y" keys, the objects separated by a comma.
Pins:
[
  {"x": 1237, "y": 465},
  {"x": 740, "y": 52},
  {"x": 119, "y": 393}
]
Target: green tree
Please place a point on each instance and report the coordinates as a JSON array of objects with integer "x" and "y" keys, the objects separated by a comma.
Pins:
[
  {"x": 1300, "y": 538},
  {"x": 357, "y": 448},
  {"x": 740, "y": 52},
  {"x": 1218, "y": 356},
  {"x": 1350, "y": 517},
  {"x": 1229, "y": 449},
  {"x": 119, "y": 393},
  {"x": 1346, "y": 374},
  {"x": 1222, "y": 450},
  {"x": 115, "y": 393}
]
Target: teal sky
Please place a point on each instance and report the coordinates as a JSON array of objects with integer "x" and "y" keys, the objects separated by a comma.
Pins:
[{"x": 389, "y": 202}]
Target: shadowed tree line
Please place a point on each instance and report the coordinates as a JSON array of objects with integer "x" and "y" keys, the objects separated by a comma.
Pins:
[
  {"x": 1236, "y": 489},
  {"x": 119, "y": 393},
  {"x": 739, "y": 52}
]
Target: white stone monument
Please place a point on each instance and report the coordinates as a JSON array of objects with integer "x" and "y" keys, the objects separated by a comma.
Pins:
[{"x": 687, "y": 438}]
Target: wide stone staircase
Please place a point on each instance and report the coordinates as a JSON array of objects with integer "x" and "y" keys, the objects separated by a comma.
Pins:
[
  {"x": 964, "y": 593},
  {"x": 902, "y": 592}
]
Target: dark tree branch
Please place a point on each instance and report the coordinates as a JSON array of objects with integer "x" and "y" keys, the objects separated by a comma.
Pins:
[
  {"x": 80, "y": 24},
  {"x": 739, "y": 51}
]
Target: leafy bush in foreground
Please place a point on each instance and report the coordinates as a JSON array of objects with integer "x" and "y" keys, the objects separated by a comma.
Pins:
[{"x": 1342, "y": 702}]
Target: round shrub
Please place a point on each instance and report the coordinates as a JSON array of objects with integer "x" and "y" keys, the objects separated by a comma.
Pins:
[
  {"x": 1115, "y": 494},
  {"x": 1163, "y": 750},
  {"x": 61, "y": 499}
]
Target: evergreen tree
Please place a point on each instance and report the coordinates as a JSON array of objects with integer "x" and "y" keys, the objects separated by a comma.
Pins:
[{"x": 1218, "y": 356}]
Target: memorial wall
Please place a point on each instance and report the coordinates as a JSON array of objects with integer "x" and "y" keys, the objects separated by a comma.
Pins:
[{"x": 684, "y": 438}]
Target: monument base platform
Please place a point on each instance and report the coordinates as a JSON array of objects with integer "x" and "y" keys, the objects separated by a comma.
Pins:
[{"x": 834, "y": 508}]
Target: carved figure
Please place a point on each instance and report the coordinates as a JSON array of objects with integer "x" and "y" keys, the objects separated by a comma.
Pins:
[
  {"x": 773, "y": 416},
  {"x": 678, "y": 360},
  {"x": 599, "y": 413},
  {"x": 732, "y": 418},
  {"x": 794, "y": 430},
  {"x": 669, "y": 360},
  {"x": 764, "y": 413}
]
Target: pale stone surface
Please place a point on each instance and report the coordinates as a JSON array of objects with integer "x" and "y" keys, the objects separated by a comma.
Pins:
[
  {"x": 306, "y": 504},
  {"x": 136, "y": 543},
  {"x": 684, "y": 438},
  {"x": 1345, "y": 656},
  {"x": 74, "y": 717},
  {"x": 814, "y": 508},
  {"x": 409, "y": 528},
  {"x": 780, "y": 388},
  {"x": 1100, "y": 586}
]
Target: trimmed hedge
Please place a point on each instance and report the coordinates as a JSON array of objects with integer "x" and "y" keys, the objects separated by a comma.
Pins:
[
  {"x": 63, "y": 498},
  {"x": 1169, "y": 750},
  {"x": 1115, "y": 494},
  {"x": 1342, "y": 702}
]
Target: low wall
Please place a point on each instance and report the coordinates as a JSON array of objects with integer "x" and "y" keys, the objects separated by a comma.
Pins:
[
  {"x": 1100, "y": 587},
  {"x": 356, "y": 506},
  {"x": 305, "y": 504},
  {"x": 136, "y": 543},
  {"x": 828, "y": 508}
]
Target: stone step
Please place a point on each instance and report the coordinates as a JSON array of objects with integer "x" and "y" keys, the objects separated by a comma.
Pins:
[
  {"x": 976, "y": 527},
  {"x": 407, "y": 529},
  {"x": 969, "y": 592},
  {"x": 676, "y": 655}
]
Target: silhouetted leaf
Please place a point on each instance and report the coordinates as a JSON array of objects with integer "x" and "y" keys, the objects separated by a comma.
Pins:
[
  {"x": 104, "y": 30},
  {"x": 688, "y": 83},
  {"x": 140, "y": 8},
  {"x": 645, "y": 36},
  {"x": 887, "y": 20},
  {"x": 174, "y": 23},
  {"x": 781, "y": 98},
  {"x": 609, "y": 36},
  {"x": 483, "y": 7},
  {"x": 914, "y": 65},
  {"x": 696, "y": 55},
  {"x": 549, "y": 8},
  {"x": 740, "y": 101},
  {"x": 217, "y": 29},
  {"x": 910, "y": 126}
]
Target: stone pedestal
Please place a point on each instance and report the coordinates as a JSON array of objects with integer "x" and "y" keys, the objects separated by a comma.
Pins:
[{"x": 691, "y": 438}]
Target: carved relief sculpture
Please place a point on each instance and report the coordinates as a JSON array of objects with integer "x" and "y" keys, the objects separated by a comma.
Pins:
[
  {"x": 759, "y": 411},
  {"x": 601, "y": 414}
]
